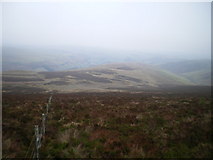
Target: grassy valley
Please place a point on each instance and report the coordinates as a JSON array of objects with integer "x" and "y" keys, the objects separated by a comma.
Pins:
[{"x": 197, "y": 71}]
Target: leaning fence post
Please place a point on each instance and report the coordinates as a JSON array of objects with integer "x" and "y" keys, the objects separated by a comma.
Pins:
[
  {"x": 47, "y": 109},
  {"x": 39, "y": 135},
  {"x": 50, "y": 100},
  {"x": 43, "y": 123}
]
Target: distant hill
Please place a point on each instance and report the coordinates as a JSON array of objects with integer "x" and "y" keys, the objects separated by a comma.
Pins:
[
  {"x": 113, "y": 77},
  {"x": 61, "y": 59},
  {"x": 57, "y": 60},
  {"x": 197, "y": 71}
]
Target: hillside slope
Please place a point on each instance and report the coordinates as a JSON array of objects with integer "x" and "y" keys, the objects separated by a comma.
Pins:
[
  {"x": 68, "y": 58},
  {"x": 113, "y": 77},
  {"x": 196, "y": 71}
]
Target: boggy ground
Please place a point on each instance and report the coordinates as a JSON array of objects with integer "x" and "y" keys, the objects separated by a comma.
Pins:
[{"x": 109, "y": 125}]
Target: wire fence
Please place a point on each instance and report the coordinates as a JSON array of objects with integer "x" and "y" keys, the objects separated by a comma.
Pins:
[{"x": 39, "y": 134}]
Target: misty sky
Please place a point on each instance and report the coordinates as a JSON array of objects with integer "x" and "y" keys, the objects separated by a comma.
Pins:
[{"x": 164, "y": 28}]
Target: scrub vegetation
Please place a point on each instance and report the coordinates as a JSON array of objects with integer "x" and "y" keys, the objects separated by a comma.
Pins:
[{"x": 110, "y": 125}]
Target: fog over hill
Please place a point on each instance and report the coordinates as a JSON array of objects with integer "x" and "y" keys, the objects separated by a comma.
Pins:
[
  {"x": 66, "y": 58},
  {"x": 198, "y": 71},
  {"x": 173, "y": 38}
]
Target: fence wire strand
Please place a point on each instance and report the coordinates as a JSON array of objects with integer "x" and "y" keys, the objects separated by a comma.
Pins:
[
  {"x": 32, "y": 153},
  {"x": 33, "y": 138}
]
